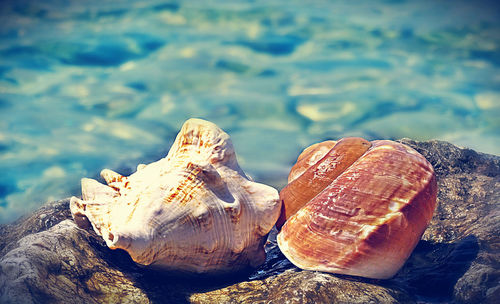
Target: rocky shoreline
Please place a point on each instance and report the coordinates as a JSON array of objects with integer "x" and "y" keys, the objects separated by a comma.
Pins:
[{"x": 45, "y": 258}]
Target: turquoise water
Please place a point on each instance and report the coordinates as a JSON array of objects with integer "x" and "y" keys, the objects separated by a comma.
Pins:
[{"x": 86, "y": 85}]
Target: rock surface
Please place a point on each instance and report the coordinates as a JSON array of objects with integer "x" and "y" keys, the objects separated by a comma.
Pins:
[{"x": 45, "y": 258}]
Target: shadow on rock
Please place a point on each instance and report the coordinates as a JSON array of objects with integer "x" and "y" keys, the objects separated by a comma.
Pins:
[
  {"x": 433, "y": 269},
  {"x": 162, "y": 286}
]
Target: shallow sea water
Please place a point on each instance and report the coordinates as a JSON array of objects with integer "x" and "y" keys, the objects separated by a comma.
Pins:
[{"x": 86, "y": 85}]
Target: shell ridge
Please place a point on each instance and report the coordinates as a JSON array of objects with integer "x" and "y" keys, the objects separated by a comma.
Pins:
[
  {"x": 384, "y": 194},
  {"x": 343, "y": 155}
]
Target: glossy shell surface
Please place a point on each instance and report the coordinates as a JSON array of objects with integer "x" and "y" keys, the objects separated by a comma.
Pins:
[
  {"x": 192, "y": 211},
  {"x": 359, "y": 210}
]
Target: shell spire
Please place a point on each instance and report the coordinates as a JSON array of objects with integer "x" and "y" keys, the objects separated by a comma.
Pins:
[{"x": 194, "y": 210}]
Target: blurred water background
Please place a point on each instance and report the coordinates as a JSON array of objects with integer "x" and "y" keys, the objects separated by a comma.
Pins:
[{"x": 91, "y": 84}]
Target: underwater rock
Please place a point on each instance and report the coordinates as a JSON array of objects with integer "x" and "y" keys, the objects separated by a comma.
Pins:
[
  {"x": 46, "y": 260},
  {"x": 360, "y": 210},
  {"x": 194, "y": 210}
]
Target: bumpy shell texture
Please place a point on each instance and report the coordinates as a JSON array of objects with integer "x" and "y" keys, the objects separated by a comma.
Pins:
[
  {"x": 359, "y": 210},
  {"x": 192, "y": 211}
]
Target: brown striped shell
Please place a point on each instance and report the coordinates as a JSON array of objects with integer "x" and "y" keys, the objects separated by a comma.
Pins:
[
  {"x": 360, "y": 210},
  {"x": 194, "y": 210}
]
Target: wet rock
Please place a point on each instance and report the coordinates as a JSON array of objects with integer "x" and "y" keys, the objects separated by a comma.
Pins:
[{"x": 46, "y": 258}]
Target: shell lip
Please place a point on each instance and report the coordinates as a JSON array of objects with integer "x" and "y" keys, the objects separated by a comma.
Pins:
[{"x": 80, "y": 218}]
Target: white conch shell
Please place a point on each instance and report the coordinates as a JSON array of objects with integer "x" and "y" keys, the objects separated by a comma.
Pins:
[{"x": 194, "y": 210}]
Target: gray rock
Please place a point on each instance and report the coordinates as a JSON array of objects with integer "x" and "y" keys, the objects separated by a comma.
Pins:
[
  {"x": 45, "y": 258},
  {"x": 42, "y": 219},
  {"x": 460, "y": 250},
  {"x": 59, "y": 264}
]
